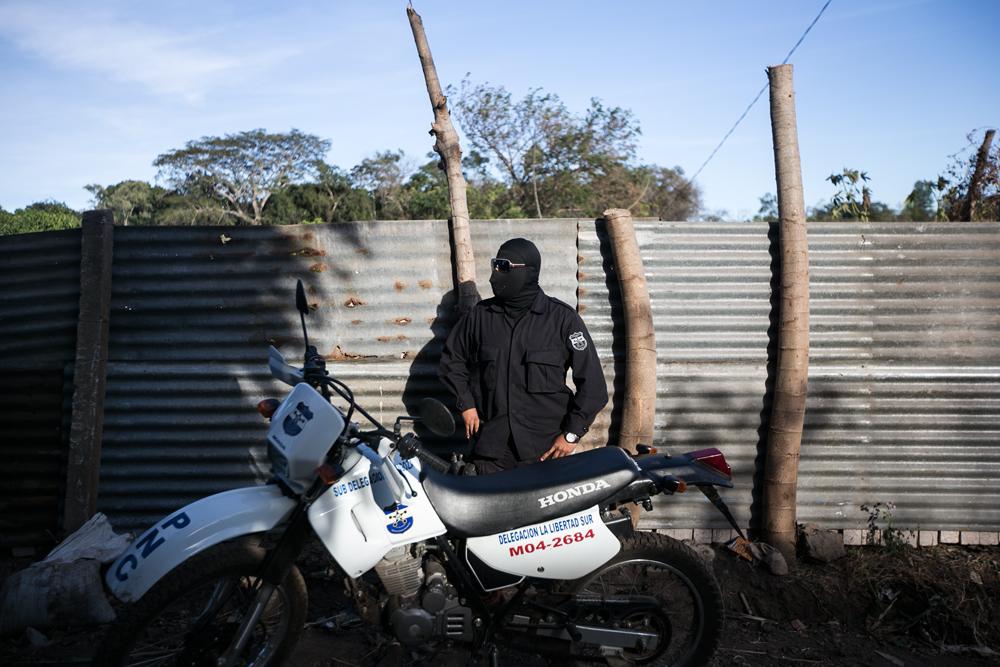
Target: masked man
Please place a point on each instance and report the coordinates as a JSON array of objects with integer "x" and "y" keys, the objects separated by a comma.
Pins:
[{"x": 505, "y": 363}]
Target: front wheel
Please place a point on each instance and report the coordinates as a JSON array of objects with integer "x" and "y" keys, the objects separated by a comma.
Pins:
[
  {"x": 687, "y": 623},
  {"x": 191, "y": 616}
]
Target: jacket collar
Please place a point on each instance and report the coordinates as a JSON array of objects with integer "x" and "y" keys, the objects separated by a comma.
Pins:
[{"x": 537, "y": 306}]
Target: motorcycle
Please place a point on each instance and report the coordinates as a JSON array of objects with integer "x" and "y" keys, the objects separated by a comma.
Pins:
[{"x": 542, "y": 558}]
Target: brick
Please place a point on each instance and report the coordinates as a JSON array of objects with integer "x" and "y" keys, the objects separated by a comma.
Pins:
[
  {"x": 909, "y": 536},
  {"x": 948, "y": 537},
  {"x": 702, "y": 535},
  {"x": 970, "y": 537},
  {"x": 854, "y": 537},
  {"x": 678, "y": 533},
  {"x": 928, "y": 538},
  {"x": 989, "y": 539}
]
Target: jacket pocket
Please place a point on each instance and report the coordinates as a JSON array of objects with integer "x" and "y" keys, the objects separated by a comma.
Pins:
[
  {"x": 546, "y": 370},
  {"x": 487, "y": 362}
]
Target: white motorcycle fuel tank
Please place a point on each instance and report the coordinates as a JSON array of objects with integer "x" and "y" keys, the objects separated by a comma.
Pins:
[{"x": 357, "y": 518}]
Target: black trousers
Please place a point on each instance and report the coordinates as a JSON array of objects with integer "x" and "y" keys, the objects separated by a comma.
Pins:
[{"x": 504, "y": 458}]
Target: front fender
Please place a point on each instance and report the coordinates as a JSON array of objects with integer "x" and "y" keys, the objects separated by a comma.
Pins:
[{"x": 191, "y": 530}]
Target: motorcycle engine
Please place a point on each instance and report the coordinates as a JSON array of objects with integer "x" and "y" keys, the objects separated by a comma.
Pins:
[{"x": 423, "y": 606}]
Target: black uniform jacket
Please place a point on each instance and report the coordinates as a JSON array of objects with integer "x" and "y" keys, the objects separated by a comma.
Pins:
[{"x": 515, "y": 374}]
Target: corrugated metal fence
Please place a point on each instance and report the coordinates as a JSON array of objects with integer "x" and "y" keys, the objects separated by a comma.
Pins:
[
  {"x": 40, "y": 275},
  {"x": 904, "y": 377}
]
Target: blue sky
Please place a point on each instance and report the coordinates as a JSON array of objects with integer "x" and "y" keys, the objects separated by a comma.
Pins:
[{"x": 93, "y": 92}]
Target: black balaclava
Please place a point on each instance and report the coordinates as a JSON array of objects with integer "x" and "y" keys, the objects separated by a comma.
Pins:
[{"x": 517, "y": 290}]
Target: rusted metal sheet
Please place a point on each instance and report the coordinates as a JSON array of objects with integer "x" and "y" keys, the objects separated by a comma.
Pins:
[
  {"x": 40, "y": 274},
  {"x": 220, "y": 293},
  {"x": 198, "y": 307},
  {"x": 904, "y": 375},
  {"x": 904, "y": 369}
]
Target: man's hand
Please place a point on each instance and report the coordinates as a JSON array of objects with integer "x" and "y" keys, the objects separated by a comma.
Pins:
[
  {"x": 471, "y": 419},
  {"x": 559, "y": 449}
]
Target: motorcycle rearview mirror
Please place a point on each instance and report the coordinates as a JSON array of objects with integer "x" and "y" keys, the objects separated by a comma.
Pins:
[
  {"x": 300, "y": 298},
  {"x": 436, "y": 417}
]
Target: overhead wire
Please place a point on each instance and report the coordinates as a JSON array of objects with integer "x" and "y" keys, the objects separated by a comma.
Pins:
[{"x": 759, "y": 93}]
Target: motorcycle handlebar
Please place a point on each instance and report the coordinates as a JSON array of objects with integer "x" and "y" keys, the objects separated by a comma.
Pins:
[{"x": 409, "y": 446}]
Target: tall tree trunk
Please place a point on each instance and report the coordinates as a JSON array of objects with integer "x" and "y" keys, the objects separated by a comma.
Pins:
[
  {"x": 446, "y": 145},
  {"x": 640, "y": 340},
  {"x": 976, "y": 183},
  {"x": 784, "y": 437}
]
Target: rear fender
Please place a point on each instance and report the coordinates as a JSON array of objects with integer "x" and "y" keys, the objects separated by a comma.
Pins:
[
  {"x": 687, "y": 468},
  {"x": 192, "y": 529}
]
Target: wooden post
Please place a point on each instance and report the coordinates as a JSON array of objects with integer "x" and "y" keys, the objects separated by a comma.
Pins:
[
  {"x": 784, "y": 437},
  {"x": 640, "y": 340},
  {"x": 446, "y": 145},
  {"x": 83, "y": 466},
  {"x": 976, "y": 182}
]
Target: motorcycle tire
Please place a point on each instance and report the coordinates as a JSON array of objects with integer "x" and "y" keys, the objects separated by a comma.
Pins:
[
  {"x": 168, "y": 626},
  {"x": 689, "y": 622}
]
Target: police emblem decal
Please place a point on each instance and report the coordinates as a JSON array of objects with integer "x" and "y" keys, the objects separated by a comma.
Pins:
[
  {"x": 294, "y": 422},
  {"x": 578, "y": 341},
  {"x": 400, "y": 519}
]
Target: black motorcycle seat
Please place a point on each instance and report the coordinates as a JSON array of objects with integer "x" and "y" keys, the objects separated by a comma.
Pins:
[{"x": 474, "y": 505}]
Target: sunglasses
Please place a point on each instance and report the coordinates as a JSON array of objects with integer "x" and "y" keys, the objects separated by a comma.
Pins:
[{"x": 501, "y": 265}]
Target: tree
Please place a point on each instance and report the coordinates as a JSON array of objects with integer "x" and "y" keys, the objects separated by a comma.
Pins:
[
  {"x": 921, "y": 204},
  {"x": 853, "y": 200},
  {"x": 768, "y": 211},
  {"x": 43, "y": 216},
  {"x": 426, "y": 193},
  {"x": 550, "y": 158},
  {"x": 382, "y": 177},
  {"x": 333, "y": 198},
  {"x": 133, "y": 202},
  {"x": 666, "y": 193},
  {"x": 241, "y": 171},
  {"x": 977, "y": 168}
]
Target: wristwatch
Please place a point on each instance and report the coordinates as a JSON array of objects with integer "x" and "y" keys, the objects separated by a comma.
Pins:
[{"x": 571, "y": 438}]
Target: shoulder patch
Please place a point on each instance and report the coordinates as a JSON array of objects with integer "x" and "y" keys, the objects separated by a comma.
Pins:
[{"x": 578, "y": 340}]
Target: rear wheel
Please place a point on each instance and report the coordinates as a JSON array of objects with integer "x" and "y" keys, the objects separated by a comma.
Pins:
[
  {"x": 191, "y": 616},
  {"x": 688, "y": 621}
]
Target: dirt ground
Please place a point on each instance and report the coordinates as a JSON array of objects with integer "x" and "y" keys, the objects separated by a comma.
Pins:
[{"x": 876, "y": 607}]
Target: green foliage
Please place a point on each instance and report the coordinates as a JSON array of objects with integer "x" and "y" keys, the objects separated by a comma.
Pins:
[
  {"x": 427, "y": 194},
  {"x": 768, "y": 211},
  {"x": 240, "y": 172},
  {"x": 852, "y": 200},
  {"x": 880, "y": 529},
  {"x": 558, "y": 163},
  {"x": 44, "y": 216},
  {"x": 921, "y": 204},
  {"x": 953, "y": 186},
  {"x": 381, "y": 176},
  {"x": 133, "y": 202},
  {"x": 332, "y": 198}
]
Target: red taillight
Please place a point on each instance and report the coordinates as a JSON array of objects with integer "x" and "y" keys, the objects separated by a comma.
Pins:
[
  {"x": 714, "y": 458},
  {"x": 267, "y": 407}
]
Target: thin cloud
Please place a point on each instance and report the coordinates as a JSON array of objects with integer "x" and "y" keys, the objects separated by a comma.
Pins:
[{"x": 76, "y": 38}]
